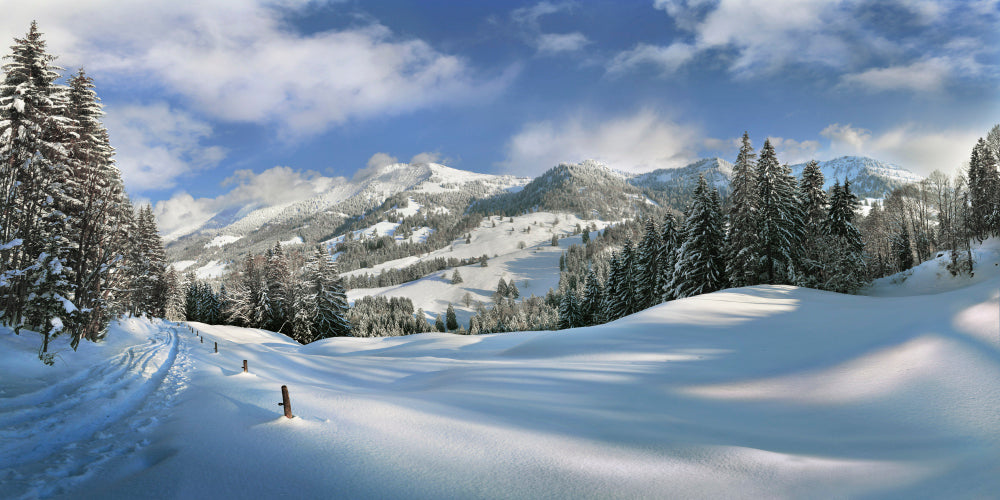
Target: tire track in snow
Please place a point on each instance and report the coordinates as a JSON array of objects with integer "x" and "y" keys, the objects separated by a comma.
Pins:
[{"x": 58, "y": 437}]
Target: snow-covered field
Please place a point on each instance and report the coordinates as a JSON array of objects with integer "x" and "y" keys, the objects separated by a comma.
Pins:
[{"x": 761, "y": 392}]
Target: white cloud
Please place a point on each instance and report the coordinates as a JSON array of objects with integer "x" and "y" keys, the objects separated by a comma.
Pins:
[
  {"x": 638, "y": 143},
  {"x": 668, "y": 58},
  {"x": 240, "y": 61},
  {"x": 182, "y": 212},
  {"x": 528, "y": 16},
  {"x": 554, "y": 43},
  {"x": 755, "y": 37},
  {"x": 919, "y": 149},
  {"x": 156, "y": 144},
  {"x": 923, "y": 76},
  {"x": 793, "y": 151},
  {"x": 427, "y": 157}
]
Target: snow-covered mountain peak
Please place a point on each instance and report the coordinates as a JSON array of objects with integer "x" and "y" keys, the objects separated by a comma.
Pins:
[{"x": 868, "y": 176}]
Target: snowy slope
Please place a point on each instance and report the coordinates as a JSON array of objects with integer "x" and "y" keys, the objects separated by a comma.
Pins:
[
  {"x": 717, "y": 172},
  {"x": 759, "y": 392},
  {"x": 349, "y": 196},
  {"x": 534, "y": 269},
  {"x": 933, "y": 276}
]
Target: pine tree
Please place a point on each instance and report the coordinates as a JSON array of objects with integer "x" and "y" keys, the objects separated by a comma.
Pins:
[
  {"x": 742, "y": 242},
  {"x": 626, "y": 301},
  {"x": 568, "y": 313},
  {"x": 779, "y": 222},
  {"x": 903, "y": 248},
  {"x": 501, "y": 290},
  {"x": 331, "y": 299},
  {"x": 34, "y": 231},
  {"x": 555, "y": 240},
  {"x": 611, "y": 306},
  {"x": 95, "y": 192},
  {"x": 304, "y": 314},
  {"x": 846, "y": 260},
  {"x": 590, "y": 304},
  {"x": 647, "y": 270},
  {"x": 456, "y": 277},
  {"x": 451, "y": 321},
  {"x": 700, "y": 266},
  {"x": 439, "y": 323},
  {"x": 279, "y": 288},
  {"x": 814, "y": 211},
  {"x": 668, "y": 257}
]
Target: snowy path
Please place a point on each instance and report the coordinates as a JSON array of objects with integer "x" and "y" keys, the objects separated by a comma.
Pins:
[{"x": 58, "y": 437}]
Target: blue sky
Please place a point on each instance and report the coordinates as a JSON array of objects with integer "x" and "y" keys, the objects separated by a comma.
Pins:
[{"x": 230, "y": 102}]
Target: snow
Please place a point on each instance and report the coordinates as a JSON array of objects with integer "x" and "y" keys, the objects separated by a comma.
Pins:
[
  {"x": 214, "y": 269},
  {"x": 933, "y": 276},
  {"x": 181, "y": 265},
  {"x": 293, "y": 241},
  {"x": 222, "y": 239},
  {"x": 757, "y": 392},
  {"x": 534, "y": 268}
]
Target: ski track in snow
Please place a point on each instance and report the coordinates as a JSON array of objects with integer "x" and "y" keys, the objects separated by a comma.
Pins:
[{"x": 54, "y": 439}]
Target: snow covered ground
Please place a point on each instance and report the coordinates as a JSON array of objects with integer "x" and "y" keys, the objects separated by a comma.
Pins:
[
  {"x": 534, "y": 268},
  {"x": 760, "y": 392}
]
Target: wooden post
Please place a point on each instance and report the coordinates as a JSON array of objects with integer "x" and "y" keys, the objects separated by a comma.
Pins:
[
  {"x": 244, "y": 366},
  {"x": 202, "y": 339},
  {"x": 217, "y": 348},
  {"x": 286, "y": 402}
]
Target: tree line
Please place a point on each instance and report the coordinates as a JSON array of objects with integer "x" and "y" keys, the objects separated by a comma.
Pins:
[{"x": 73, "y": 251}]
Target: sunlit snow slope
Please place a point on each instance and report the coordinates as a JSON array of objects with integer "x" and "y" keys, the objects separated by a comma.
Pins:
[{"x": 762, "y": 392}]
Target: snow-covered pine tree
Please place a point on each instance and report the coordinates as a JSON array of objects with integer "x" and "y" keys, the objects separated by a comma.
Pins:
[
  {"x": 422, "y": 325},
  {"x": 331, "y": 299},
  {"x": 568, "y": 310},
  {"x": 612, "y": 291},
  {"x": 983, "y": 181},
  {"x": 191, "y": 302},
  {"x": 668, "y": 257},
  {"x": 590, "y": 305},
  {"x": 34, "y": 232},
  {"x": 647, "y": 270},
  {"x": 779, "y": 222},
  {"x": 456, "y": 277},
  {"x": 813, "y": 203},
  {"x": 176, "y": 297},
  {"x": 451, "y": 321},
  {"x": 512, "y": 291},
  {"x": 149, "y": 264},
  {"x": 846, "y": 263},
  {"x": 304, "y": 312},
  {"x": 96, "y": 193},
  {"x": 742, "y": 241},
  {"x": 501, "y": 290},
  {"x": 903, "y": 248},
  {"x": 700, "y": 267},
  {"x": 626, "y": 299},
  {"x": 439, "y": 323},
  {"x": 279, "y": 288}
]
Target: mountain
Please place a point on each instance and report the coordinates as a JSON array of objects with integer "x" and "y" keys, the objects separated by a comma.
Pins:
[
  {"x": 589, "y": 190},
  {"x": 404, "y": 210},
  {"x": 869, "y": 177},
  {"x": 717, "y": 172},
  {"x": 326, "y": 214}
]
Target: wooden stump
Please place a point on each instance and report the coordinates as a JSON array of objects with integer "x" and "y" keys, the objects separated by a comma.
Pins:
[
  {"x": 286, "y": 402},
  {"x": 245, "y": 366}
]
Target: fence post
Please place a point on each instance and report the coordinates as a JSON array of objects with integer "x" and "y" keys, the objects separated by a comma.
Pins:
[
  {"x": 217, "y": 348},
  {"x": 286, "y": 402},
  {"x": 244, "y": 366}
]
